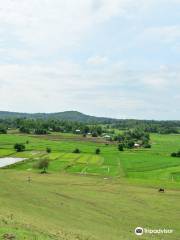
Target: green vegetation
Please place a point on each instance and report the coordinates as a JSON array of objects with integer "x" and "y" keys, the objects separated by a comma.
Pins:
[
  {"x": 71, "y": 121},
  {"x": 97, "y": 151},
  {"x": 142, "y": 163},
  {"x": 121, "y": 147},
  {"x": 43, "y": 164},
  {"x": 3, "y": 129},
  {"x": 48, "y": 150},
  {"x": 19, "y": 147},
  {"x": 76, "y": 150},
  {"x": 99, "y": 193},
  {"x": 70, "y": 207},
  {"x": 175, "y": 154}
]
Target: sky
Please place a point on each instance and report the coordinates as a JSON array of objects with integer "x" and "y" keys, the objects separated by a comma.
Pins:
[{"x": 111, "y": 58}]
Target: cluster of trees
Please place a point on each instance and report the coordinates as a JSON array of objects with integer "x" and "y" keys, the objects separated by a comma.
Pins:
[
  {"x": 3, "y": 129},
  {"x": 129, "y": 138},
  {"x": 43, "y": 126},
  {"x": 175, "y": 154},
  {"x": 150, "y": 126},
  {"x": 46, "y": 125}
]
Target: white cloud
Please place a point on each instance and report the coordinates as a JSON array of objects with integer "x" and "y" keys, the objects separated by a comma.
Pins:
[
  {"x": 67, "y": 85},
  {"x": 97, "y": 60},
  {"x": 54, "y": 24},
  {"x": 166, "y": 34}
]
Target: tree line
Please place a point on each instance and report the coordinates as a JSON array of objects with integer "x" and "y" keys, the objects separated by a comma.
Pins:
[{"x": 43, "y": 126}]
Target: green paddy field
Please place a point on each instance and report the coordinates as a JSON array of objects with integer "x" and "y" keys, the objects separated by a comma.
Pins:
[{"x": 87, "y": 196}]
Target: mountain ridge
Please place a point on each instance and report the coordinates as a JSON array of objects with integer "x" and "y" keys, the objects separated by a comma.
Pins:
[{"x": 65, "y": 115}]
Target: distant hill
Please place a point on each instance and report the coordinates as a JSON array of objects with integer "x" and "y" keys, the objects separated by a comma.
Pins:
[{"x": 67, "y": 115}]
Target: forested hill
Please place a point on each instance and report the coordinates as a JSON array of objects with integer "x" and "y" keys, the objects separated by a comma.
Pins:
[
  {"x": 67, "y": 115},
  {"x": 70, "y": 119}
]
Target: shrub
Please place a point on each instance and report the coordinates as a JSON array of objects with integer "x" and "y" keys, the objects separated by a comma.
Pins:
[
  {"x": 24, "y": 129},
  {"x": 43, "y": 164},
  {"x": 130, "y": 144},
  {"x": 19, "y": 147},
  {"x": 173, "y": 154},
  {"x": 76, "y": 150},
  {"x": 97, "y": 151},
  {"x": 94, "y": 134},
  {"x": 48, "y": 150},
  {"x": 3, "y": 130},
  {"x": 120, "y": 147},
  {"x": 178, "y": 154},
  {"x": 147, "y": 145}
]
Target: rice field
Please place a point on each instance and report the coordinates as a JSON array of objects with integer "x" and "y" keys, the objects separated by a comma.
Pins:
[{"x": 148, "y": 164}]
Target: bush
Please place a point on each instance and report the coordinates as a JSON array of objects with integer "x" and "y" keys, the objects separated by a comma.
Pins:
[
  {"x": 24, "y": 129},
  {"x": 43, "y": 164},
  {"x": 48, "y": 150},
  {"x": 3, "y": 130},
  {"x": 94, "y": 134},
  {"x": 130, "y": 144},
  {"x": 173, "y": 154},
  {"x": 178, "y": 154},
  {"x": 147, "y": 145},
  {"x": 76, "y": 150},
  {"x": 120, "y": 147},
  {"x": 19, "y": 147},
  {"x": 97, "y": 151}
]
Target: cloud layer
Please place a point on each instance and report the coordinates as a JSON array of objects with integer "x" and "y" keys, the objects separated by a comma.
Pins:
[{"x": 108, "y": 58}]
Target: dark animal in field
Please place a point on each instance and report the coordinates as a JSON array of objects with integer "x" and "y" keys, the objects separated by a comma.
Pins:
[
  {"x": 161, "y": 190},
  {"x": 29, "y": 179}
]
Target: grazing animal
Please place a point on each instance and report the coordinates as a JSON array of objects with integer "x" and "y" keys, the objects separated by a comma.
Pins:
[
  {"x": 29, "y": 179},
  {"x": 161, "y": 190}
]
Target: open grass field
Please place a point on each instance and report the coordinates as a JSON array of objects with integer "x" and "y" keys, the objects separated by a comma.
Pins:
[
  {"x": 69, "y": 207},
  {"x": 88, "y": 196}
]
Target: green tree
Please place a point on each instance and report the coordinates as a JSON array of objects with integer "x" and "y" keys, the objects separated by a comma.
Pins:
[
  {"x": 174, "y": 154},
  {"x": 48, "y": 150},
  {"x": 76, "y": 150},
  {"x": 3, "y": 129},
  {"x": 19, "y": 147},
  {"x": 120, "y": 147},
  {"x": 97, "y": 151},
  {"x": 130, "y": 144}
]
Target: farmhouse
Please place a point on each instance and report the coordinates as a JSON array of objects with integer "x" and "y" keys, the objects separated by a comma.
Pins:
[
  {"x": 107, "y": 137},
  {"x": 137, "y": 145},
  {"x": 78, "y": 131}
]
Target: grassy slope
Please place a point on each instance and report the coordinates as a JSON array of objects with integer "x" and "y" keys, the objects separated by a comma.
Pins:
[{"x": 58, "y": 206}]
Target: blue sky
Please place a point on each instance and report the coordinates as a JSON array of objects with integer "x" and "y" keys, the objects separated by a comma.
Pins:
[{"x": 113, "y": 58}]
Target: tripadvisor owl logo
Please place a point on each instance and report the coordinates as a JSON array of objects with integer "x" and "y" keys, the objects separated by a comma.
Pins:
[{"x": 139, "y": 231}]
